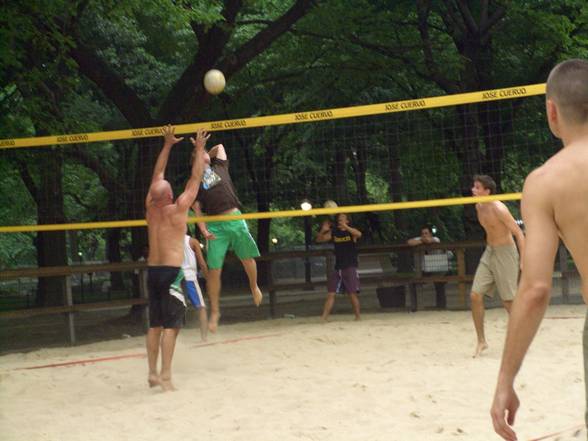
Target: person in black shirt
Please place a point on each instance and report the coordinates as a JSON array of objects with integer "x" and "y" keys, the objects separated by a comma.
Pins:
[
  {"x": 345, "y": 277},
  {"x": 217, "y": 196}
]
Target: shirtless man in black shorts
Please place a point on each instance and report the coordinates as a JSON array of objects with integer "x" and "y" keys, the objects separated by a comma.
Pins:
[{"x": 166, "y": 224}]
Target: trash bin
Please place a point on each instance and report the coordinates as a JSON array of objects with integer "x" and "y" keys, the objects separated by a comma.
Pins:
[{"x": 392, "y": 296}]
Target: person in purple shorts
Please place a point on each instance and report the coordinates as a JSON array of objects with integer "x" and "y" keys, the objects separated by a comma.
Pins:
[{"x": 344, "y": 278}]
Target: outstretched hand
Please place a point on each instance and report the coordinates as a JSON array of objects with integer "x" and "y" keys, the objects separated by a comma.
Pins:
[
  {"x": 169, "y": 135},
  {"x": 200, "y": 141}
]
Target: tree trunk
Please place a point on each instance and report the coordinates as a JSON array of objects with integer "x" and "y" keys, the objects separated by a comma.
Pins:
[
  {"x": 146, "y": 156},
  {"x": 264, "y": 225},
  {"x": 264, "y": 198},
  {"x": 405, "y": 260},
  {"x": 339, "y": 173},
  {"x": 359, "y": 164},
  {"x": 263, "y": 233},
  {"x": 469, "y": 153},
  {"x": 113, "y": 254},
  {"x": 495, "y": 127},
  {"x": 51, "y": 245}
]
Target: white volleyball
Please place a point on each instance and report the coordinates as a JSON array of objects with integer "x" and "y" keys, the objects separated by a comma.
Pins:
[{"x": 214, "y": 81}]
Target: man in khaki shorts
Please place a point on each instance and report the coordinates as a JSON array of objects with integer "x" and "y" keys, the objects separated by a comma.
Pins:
[
  {"x": 499, "y": 266},
  {"x": 554, "y": 205}
]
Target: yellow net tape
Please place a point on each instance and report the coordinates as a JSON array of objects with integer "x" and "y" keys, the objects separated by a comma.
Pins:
[
  {"x": 287, "y": 118},
  {"x": 274, "y": 214}
]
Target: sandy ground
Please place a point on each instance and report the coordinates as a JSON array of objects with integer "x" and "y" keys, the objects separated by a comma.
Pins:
[{"x": 391, "y": 376}]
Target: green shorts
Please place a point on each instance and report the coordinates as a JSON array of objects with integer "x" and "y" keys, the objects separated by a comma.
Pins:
[{"x": 229, "y": 235}]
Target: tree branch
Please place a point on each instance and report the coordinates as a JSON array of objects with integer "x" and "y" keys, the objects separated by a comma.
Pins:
[
  {"x": 112, "y": 85},
  {"x": 111, "y": 184},
  {"x": 27, "y": 179},
  {"x": 453, "y": 24},
  {"x": 263, "y": 39},
  {"x": 188, "y": 91},
  {"x": 423, "y": 11},
  {"x": 468, "y": 19},
  {"x": 495, "y": 18},
  {"x": 78, "y": 200},
  {"x": 235, "y": 61},
  {"x": 483, "y": 12}
]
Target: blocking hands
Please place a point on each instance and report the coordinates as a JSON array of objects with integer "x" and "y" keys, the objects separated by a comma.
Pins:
[
  {"x": 169, "y": 136},
  {"x": 200, "y": 141}
]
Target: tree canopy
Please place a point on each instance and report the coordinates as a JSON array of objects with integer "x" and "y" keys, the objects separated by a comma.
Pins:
[{"x": 71, "y": 66}]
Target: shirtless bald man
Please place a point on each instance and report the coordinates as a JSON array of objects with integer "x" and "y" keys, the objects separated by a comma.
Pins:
[
  {"x": 499, "y": 266},
  {"x": 554, "y": 204},
  {"x": 166, "y": 224}
]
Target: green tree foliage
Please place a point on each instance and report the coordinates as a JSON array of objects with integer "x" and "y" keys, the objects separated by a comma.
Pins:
[{"x": 78, "y": 66}]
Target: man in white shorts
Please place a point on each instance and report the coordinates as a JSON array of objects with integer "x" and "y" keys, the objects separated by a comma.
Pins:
[{"x": 193, "y": 254}]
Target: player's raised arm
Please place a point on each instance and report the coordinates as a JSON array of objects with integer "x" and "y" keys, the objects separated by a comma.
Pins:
[
  {"x": 219, "y": 152},
  {"x": 187, "y": 197},
  {"x": 169, "y": 141},
  {"x": 158, "y": 177},
  {"x": 324, "y": 234}
]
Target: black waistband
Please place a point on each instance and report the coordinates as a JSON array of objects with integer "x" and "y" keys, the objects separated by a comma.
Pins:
[{"x": 162, "y": 268}]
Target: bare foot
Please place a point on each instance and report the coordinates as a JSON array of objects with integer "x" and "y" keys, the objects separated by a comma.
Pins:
[
  {"x": 482, "y": 346},
  {"x": 357, "y": 318},
  {"x": 167, "y": 385},
  {"x": 257, "y": 296},
  {"x": 213, "y": 321},
  {"x": 325, "y": 319},
  {"x": 154, "y": 380}
]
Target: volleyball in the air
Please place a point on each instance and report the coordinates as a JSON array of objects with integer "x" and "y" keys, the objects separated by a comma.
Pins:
[
  {"x": 214, "y": 81},
  {"x": 330, "y": 204}
]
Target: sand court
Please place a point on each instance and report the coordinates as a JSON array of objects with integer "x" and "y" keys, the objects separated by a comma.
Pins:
[{"x": 391, "y": 376}]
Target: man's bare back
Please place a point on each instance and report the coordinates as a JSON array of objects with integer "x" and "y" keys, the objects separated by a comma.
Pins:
[
  {"x": 567, "y": 199},
  {"x": 166, "y": 227}
]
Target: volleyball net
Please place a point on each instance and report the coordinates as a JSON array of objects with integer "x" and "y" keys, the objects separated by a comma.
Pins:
[{"x": 397, "y": 164}]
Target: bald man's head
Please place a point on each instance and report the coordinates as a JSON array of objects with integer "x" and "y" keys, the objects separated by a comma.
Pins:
[{"x": 162, "y": 193}]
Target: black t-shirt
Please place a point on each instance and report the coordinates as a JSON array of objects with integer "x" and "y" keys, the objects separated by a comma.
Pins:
[
  {"x": 345, "y": 251},
  {"x": 217, "y": 193}
]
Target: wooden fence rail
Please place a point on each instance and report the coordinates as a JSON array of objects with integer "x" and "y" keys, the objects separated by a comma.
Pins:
[{"x": 411, "y": 280}]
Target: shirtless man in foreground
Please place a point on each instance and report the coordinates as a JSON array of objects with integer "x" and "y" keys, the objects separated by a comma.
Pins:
[
  {"x": 499, "y": 265},
  {"x": 166, "y": 224},
  {"x": 554, "y": 204}
]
